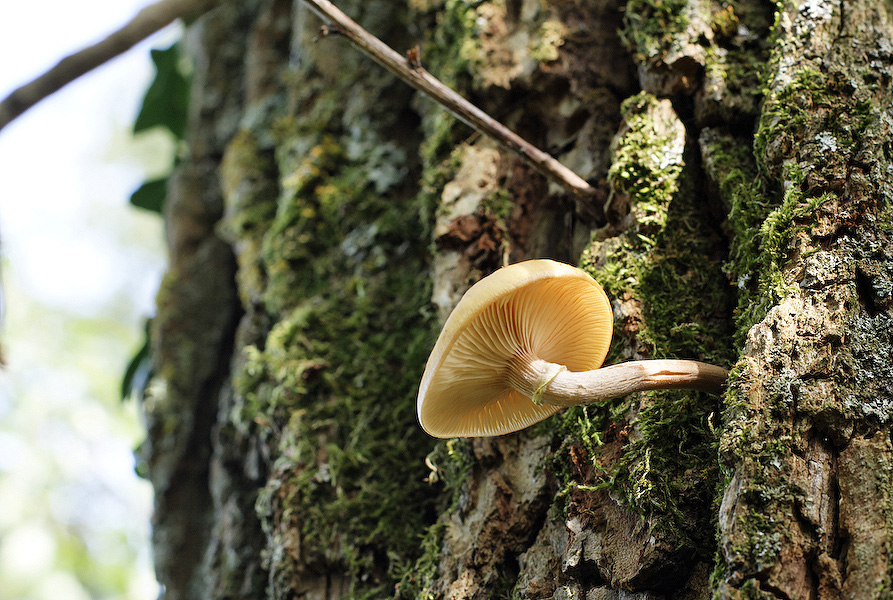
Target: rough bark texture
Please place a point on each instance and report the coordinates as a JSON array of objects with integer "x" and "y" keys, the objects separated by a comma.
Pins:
[{"x": 326, "y": 219}]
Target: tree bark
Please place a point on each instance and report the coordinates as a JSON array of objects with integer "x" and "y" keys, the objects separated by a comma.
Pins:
[{"x": 325, "y": 219}]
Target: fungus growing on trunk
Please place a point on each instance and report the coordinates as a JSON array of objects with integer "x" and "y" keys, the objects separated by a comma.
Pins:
[{"x": 528, "y": 340}]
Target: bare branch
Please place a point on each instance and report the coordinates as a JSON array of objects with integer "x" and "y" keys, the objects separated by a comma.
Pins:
[
  {"x": 145, "y": 23},
  {"x": 410, "y": 71},
  {"x": 155, "y": 17}
]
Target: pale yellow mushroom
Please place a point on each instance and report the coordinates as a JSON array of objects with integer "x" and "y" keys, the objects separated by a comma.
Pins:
[{"x": 528, "y": 340}]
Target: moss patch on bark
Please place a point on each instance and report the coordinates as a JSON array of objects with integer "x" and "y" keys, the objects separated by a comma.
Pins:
[
  {"x": 338, "y": 372},
  {"x": 664, "y": 275}
]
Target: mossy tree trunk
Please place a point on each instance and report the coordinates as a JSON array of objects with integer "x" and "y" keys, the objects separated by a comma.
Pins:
[{"x": 325, "y": 219}]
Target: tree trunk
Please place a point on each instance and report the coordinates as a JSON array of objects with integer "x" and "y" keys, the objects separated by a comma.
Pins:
[{"x": 325, "y": 219}]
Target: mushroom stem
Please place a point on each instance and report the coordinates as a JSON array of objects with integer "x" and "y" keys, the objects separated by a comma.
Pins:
[{"x": 548, "y": 383}]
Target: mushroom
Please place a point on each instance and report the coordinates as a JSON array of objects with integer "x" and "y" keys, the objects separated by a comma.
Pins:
[{"x": 528, "y": 340}]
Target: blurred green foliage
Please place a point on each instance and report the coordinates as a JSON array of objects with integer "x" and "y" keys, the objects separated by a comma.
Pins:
[
  {"x": 166, "y": 105},
  {"x": 166, "y": 102}
]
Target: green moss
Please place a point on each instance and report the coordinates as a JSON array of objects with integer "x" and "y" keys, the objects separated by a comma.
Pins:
[
  {"x": 501, "y": 205},
  {"x": 763, "y": 221},
  {"x": 440, "y": 162},
  {"x": 741, "y": 71},
  {"x": 333, "y": 383},
  {"x": 647, "y": 160},
  {"x": 669, "y": 474},
  {"x": 725, "y": 21},
  {"x": 669, "y": 262},
  {"x": 687, "y": 302},
  {"x": 777, "y": 231},
  {"x": 248, "y": 177},
  {"x": 733, "y": 87},
  {"x": 650, "y": 26},
  {"x": 730, "y": 164},
  {"x": 345, "y": 367},
  {"x": 445, "y": 25},
  {"x": 326, "y": 207},
  {"x": 766, "y": 493},
  {"x": 762, "y": 226},
  {"x": 452, "y": 48},
  {"x": 551, "y": 36},
  {"x": 669, "y": 265},
  {"x": 812, "y": 103},
  {"x": 584, "y": 427},
  {"x": 615, "y": 264},
  {"x": 450, "y": 463},
  {"x": 671, "y": 471},
  {"x": 418, "y": 579}
]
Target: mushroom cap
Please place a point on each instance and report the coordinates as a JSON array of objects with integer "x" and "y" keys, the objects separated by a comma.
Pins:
[{"x": 533, "y": 309}]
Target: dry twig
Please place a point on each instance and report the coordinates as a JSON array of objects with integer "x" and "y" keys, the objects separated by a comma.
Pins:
[
  {"x": 410, "y": 70},
  {"x": 145, "y": 23}
]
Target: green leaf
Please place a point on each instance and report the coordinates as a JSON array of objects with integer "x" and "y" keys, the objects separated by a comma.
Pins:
[
  {"x": 139, "y": 370},
  {"x": 151, "y": 195},
  {"x": 166, "y": 102}
]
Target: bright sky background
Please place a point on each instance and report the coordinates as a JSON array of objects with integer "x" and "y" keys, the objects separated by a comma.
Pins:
[{"x": 80, "y": 270}]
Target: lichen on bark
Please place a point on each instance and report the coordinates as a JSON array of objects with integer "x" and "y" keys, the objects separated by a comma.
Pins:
[{"x": 798, "y": 408}]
